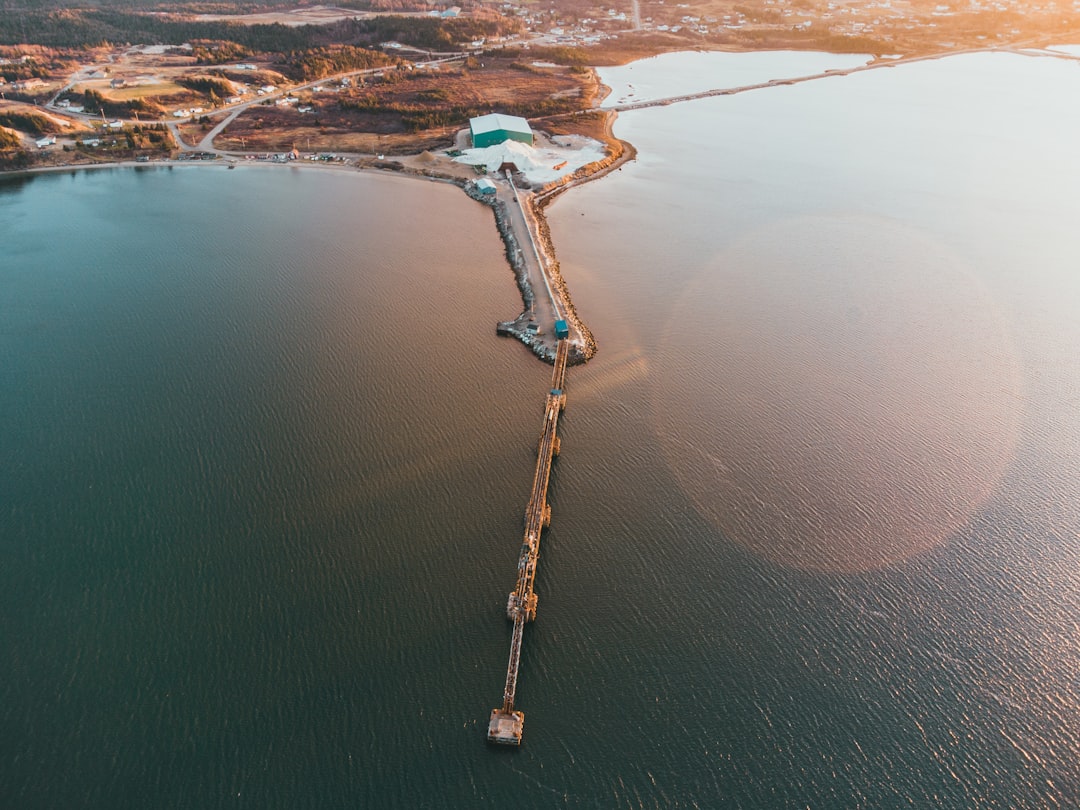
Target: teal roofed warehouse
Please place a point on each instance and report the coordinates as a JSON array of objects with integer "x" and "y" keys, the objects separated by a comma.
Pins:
[{"x": 488, "y": 130}]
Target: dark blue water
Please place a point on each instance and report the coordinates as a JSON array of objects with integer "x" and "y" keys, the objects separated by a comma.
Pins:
[{"x": 815, "y": 543}]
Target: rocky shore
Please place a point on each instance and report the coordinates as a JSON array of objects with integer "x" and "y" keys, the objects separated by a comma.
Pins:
[{"x": 539, "y": 344}]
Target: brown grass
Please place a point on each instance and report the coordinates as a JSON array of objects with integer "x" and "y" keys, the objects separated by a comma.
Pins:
[
  {"x": 241, "y": 137},
  {"x": 385, "y": 129},
  {"x": 595, "y": 125},
  {"x": 73, "y": 125},
  {"x": 191, "y": 134},
  {"x": 143, "y": 91}
]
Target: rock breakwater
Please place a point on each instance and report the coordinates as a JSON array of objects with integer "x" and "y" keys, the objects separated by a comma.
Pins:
[{"x": 524, "y": 328}]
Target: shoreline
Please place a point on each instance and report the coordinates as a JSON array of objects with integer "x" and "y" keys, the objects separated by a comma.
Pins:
[
  {"x": 532, "y": 221},
  {"x": 542, "y": 345}
]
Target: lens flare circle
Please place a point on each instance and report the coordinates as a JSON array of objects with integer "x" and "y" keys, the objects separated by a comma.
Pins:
[{"x": 854, "y": 397}]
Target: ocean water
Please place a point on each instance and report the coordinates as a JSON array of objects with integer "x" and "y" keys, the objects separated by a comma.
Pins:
[
  {"x": 682, "y": 73},
  {"x": 840, "y": 316},
  {"x": 815, "y": 538}
]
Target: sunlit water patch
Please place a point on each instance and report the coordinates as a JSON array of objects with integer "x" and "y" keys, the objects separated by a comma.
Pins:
[
  {"x": 857, "y": 399},
  {"x": 673, "y": 74}
]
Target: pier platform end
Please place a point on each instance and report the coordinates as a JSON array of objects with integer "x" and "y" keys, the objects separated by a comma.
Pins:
[{"x": 505, "y": 727}]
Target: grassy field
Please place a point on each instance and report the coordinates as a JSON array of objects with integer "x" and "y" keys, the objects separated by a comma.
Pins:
[
  {"x": 274, "y": 133},
  {"x": 143, "y": 91}
]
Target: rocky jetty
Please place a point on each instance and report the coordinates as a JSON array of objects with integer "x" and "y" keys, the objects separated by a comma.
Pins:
[{"x": 524, "y": 328}]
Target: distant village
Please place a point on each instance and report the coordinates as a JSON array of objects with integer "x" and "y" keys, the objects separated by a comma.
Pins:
[
  {"x": 288, "y": 84},
  {"x": 933, "y": 24}
]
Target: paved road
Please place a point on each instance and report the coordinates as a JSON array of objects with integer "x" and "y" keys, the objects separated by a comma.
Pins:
[
  {"x": 548, "y": 305},
  {"x": 545, "y": 309}
]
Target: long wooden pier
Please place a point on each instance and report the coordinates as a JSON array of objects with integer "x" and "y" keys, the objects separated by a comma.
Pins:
[{"x": 506, "y": 723}]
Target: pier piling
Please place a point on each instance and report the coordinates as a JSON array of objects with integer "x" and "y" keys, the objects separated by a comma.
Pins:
[{"x": 506, "y": 724}]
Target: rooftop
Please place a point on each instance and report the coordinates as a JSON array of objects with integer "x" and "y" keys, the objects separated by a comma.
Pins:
[{"x": 495, "y": 121}]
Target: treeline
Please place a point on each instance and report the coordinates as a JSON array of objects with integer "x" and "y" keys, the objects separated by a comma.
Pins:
[
  {"x": 81, "y": 28},
  {"x": 14, "y": 159},
  {"x": 211, "y": 52},
  {"x": 209, "y": 6},
  {"x": 152, "y": 138},
  {"x": 193, "y": 7},
  {"x": 28, "y": 122},
  {"x": 217, "y": 89},
  {"x": 19, "y": 71},
  {"x": 310, "y": 65},
  {"x": 417, "y": 117},
  {"x": 557, "y": 54},
  {"x": 95, "y": 103},
  {"x": 9, "y": 139},
  {"x": 414, "y": 117},
  {"x": 816, "y": 40},
  {"x": 433, "y": 33}
]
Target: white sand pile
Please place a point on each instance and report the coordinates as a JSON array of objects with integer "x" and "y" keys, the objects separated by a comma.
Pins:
[{"x": 538, "y": 163}]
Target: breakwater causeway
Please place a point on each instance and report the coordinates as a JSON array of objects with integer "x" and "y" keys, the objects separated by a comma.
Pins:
[{"x": 522, "y": 224}]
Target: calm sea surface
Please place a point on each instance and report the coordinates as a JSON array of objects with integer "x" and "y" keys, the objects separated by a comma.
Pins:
[
  {"x": 816, "y": 536},
  {"x": 676, "y": 74}
]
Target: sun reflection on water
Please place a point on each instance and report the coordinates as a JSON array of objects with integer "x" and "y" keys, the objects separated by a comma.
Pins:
[{"x": 856, "y": 399}]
